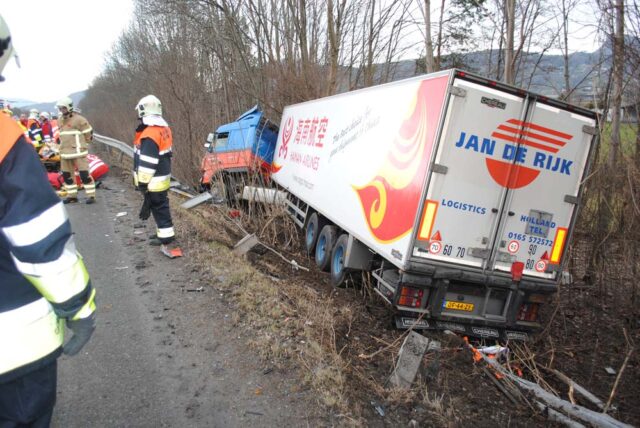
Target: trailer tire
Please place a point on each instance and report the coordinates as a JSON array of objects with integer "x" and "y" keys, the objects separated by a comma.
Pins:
[
  {"x": 314, "y": 226},
  {"x": 324, "y": 247},
  {"x": 338, "y": 271}
]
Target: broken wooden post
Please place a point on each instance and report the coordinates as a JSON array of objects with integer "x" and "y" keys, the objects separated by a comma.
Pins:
[
  {"x": 245, "y": 244},
  {"x": 409, "y": 359}
]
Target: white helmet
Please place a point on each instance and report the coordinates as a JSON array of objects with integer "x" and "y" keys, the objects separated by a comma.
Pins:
[
  {"x": 6, "y": 47},
  {"x": 34, "y": 113},
  {"x": 148, "y": 106},
  {"x": 45, "y": 115},
  {"x": 65, "y": 102}
]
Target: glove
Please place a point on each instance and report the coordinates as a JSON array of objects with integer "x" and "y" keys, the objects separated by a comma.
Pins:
[
  {"x": 145, "y": 210},
  {"x": 82, "y": 330}
]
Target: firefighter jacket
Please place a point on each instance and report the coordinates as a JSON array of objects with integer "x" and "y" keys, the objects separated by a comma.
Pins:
[
  {"x": 75, "y": 136},
  {"x": 152, "y": 157},
  {"x": 43, "y": 279},
  {"x": 35, "y": 132}
]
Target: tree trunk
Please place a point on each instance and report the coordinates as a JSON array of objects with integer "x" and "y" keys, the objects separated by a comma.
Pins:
[
  {"x": 618, "y": 76},
  {"x": 509, "y": 60},
  {"x": 428, "y": 43}
]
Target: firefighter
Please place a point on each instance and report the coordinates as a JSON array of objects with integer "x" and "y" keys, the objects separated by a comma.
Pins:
[
  {"x": 47, "y": 132},
  {"x": 152, "y": 166},
  {"x": 75, "y": 136},
  {"x": 54, "y": 128},
  {"x": 43, "y": 280},
  {"x": 35, "y": 129}
]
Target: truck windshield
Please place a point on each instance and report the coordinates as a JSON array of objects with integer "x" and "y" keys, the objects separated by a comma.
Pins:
[{"x": 221, "y": 140}]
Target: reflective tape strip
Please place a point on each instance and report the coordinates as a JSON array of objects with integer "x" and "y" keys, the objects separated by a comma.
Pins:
[
  {"x": 149, "y": 159},
  {"x": 25, "y": 314},
  {"x": 160, "y": 183},
  {"x": 145, "y": 170},
  {"x": 67, "y": 259},
  {"x": 74, "y": 132},
  {"x": 89, "y": 187},
  {"x": 61, "y": 286},
  {"x": 86, "y": 131},
  {"x": 25, "y": 342},
  {"x": 88, "y": 308},
  {"x": 73, "y": 155},
  {"x": 164, "y": 152},
  {"x": 38, "y": 228},
  {"x": 166, "y": 232}
]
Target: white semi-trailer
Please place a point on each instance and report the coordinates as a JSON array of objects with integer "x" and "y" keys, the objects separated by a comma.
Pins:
[{"x": 459, "y": 194}]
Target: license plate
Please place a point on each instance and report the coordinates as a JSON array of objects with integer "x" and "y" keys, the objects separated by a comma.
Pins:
[{"x": 458, "y": 306}]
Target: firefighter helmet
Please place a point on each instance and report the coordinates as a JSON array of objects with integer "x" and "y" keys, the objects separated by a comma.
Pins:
[
  {"x": 6, "y": 47},
  {"x": 34, "y": 113},
  {"x": 65, "y": 102},
  {"x": 45, "y": 115},
  {"x": 148, "y": 106}
]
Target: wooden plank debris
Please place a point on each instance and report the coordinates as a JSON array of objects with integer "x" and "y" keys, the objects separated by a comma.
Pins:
[
  {"x": 245, "y": 245},
  {"x": 196, "y": 200}
]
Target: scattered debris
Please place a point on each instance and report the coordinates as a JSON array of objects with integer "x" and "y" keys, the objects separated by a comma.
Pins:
[
  {"x": 572, "y": 411},
  {"x": 121, "y": 267},
  {"x": 172, "y": 253},
  {"x": 121, "y": 213},
  {"x": 197, "y": 290},
  {"x": 577, "y": 388},
  {"x": 378, "y": 408},
  {"x": 610, "y": 370},
  {"x": 409, "y": 359},
  {"x": 196, "y": 200},
  {"x": 251, "y": 412},
  {"x": 245, "y": 244}
]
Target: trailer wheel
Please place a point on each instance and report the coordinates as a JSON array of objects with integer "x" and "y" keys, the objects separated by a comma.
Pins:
[
  {"x": 338, "y": 271},
  {"x": 326, "y": 241},
  {"x": 314, "y": 226}
]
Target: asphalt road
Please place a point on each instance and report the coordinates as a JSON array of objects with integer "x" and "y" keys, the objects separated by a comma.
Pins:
[{"x": 162, "y": 355}]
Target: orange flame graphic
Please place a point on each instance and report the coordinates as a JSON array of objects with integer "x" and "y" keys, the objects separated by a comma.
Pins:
[{"x": 390, "y": 200}]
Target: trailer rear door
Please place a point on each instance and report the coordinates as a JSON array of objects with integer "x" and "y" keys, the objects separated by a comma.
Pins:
[
  {"x": 543, "y": 188},
  {"x": 460, "y": 217}
]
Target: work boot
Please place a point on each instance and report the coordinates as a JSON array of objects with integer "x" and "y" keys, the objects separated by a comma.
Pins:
[
  {"x": 156, "y": 242},
  {"x": 90, "y": 201},
  {"x": 70, "y": 201}
]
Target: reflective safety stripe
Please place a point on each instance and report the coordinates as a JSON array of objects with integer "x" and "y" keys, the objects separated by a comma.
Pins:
[
  {"x": 28, "y": 334},
  {"x": 164, "y": 152},
  {"x": 160, "y": 183},
  {"x": 38, "y": 228},
  {"x": 86, "y": 131},
  {"x": 149, "y": 159},
  {"x": 79, "y": 154},
  {"x": 166, "y": 232},
  {"x": 60, "y": 279},
  {"x": 145, "y": 170},
  {"x": 88, "y": 308}
]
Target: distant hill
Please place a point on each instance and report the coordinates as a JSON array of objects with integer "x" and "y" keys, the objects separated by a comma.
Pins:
[{"x": 51, "y": 106}]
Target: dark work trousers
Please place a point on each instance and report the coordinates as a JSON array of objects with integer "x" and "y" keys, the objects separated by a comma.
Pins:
[
  {"x": 162, "y": 215},
  {"x": 28, "y": 400}
]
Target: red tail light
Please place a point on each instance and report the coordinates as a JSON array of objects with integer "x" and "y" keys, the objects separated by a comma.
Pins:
[
  {"x": 411, "y": 297},
  {"x": 528, "y": 312}
]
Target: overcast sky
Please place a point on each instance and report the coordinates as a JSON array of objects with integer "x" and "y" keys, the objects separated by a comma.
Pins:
[{"x": 61, "y": 44}]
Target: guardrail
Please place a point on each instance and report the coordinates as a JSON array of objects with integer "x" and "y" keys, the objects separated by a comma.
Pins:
[{"x": 123, "y": 147}]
